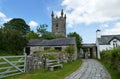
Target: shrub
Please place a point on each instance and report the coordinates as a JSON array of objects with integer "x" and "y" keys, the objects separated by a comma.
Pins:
[
  {"x": 70, "y": 49},
  {"x": 112, "y": 57},
  {"x": 50, "y": 57},
  {"x": 47, "y": 51}
]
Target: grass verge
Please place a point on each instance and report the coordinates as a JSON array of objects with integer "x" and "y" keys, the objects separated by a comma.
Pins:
[
  {"x": 113, "y": 71},
  {"x": 46, "y": 74}
]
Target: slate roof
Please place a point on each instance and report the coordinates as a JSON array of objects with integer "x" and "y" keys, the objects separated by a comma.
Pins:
[
  {"x": 53, "y": 42},
  {"x": 89, "y": 45},
  {"x": 106, "y": 39}
]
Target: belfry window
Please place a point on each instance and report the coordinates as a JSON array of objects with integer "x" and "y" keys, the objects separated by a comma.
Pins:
[
  {"x": 64, "y": 25},
  {"x": 57, "y": 26}
]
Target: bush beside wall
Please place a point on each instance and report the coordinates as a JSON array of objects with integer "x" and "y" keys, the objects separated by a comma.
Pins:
[{"x": 111, "y": 59}]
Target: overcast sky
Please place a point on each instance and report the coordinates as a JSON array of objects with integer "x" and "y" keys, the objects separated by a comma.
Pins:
[{"x": 83, "y": 16}]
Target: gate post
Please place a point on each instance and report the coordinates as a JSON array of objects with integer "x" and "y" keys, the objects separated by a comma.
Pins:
[{"x": 25, "y": 65}]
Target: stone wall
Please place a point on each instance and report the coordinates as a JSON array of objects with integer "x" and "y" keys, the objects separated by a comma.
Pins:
[
  {"x": 37, "y": 48},
  {"x": 34, "y": 61},
  {"x": 37, "y": 61}
]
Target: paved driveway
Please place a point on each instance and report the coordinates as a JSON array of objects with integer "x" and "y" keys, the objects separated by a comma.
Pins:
[{"x": 90, "y": 69}]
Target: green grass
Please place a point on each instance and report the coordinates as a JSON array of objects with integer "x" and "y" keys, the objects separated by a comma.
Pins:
[
  {"x": 113, "y": 71},
  {"x": 10, "y": 53},
  {"x": 46, "y": 74},
  {"x": 8, "y": 65}
]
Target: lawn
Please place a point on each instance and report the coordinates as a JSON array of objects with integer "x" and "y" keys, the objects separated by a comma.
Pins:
[{"x": 46, "y": 74}]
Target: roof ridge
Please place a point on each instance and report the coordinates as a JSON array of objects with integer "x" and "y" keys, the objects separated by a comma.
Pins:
[{"x": 110, "y": 35}]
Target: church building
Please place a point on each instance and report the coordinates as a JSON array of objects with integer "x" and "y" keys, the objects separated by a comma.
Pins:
[
  {"x": 103, "y": 42},
  {"x": 58, "y": 28},
  {"x": 59, "y": 24}
]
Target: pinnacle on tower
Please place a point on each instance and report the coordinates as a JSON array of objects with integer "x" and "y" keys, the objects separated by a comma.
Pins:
[
  {"x": 65, "y": 16},
  {"x": 59, "y": 24},
  {"x": 62, "y": 12},
  {"x": 52, "y": 14}
]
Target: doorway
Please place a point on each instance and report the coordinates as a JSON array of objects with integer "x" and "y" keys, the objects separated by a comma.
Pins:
[{"x": 27, "y": 50}]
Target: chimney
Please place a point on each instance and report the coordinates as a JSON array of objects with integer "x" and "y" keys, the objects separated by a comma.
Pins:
[{"x": 98, "y": 33}]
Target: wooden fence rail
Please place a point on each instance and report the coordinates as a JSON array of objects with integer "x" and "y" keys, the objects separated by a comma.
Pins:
[{"x": 12, "y": 65}]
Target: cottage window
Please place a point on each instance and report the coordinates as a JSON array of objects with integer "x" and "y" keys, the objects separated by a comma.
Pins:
[
  {"x": 46, "y": 48},
  {"x": 115, "y": 44},
  {"x": 58, "y": 48}
]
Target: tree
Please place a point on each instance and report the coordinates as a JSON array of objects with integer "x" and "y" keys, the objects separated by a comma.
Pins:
[
  {"x": 78, "y": 39},
  {"x": 48, "y": 35},
  {"x": 1, "y": 39},
  {"x": 16, "y": 41},
  {"x": 42, "y": 31},
  {"x": 32, "y": 35},
  {"x": 12, "y": 36},
  {"x": 12, "y": 41},
  {"x": 59, "y": 36},
  {"x": 17, "y": 24}
]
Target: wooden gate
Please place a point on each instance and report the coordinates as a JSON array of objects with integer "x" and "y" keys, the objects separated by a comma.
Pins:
[{"x": 12, "y": 65}]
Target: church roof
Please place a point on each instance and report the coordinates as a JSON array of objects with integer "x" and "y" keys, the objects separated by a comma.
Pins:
[
  {"x": 106, "y": 39},
  {"x": 89, "y": 45},
  {"x": 53, "y": 42}
]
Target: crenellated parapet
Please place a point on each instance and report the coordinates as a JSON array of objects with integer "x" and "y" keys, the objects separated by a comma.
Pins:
[{"x": 59, "y": 24}]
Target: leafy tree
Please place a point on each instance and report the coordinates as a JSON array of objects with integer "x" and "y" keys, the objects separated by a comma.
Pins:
[
  {"x": 1, "y": 38},
  {"x": 12, "y": 41},
  {"x": 32, "y": 35},
  {"x": 42, "y": 29},
  {"x": 12, "y": 36},
  {"x": 18, "y": 24},
  {"x": 78, "y": 39},
  {"x": 48, "y": 35},
  {"x": 59, "y": 36}
]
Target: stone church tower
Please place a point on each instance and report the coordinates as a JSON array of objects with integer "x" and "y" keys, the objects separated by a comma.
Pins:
[{"x": 59, "y": 24}]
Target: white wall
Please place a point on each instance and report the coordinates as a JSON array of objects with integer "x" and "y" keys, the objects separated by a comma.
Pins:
[
  {"x": 105, "y": 47},
  {"x": 98, "y": 49},
  {"x": 110, "y": 46},
  {"x": 118, "y": 42}
]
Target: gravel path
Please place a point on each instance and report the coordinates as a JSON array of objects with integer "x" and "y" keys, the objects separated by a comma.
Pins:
[{"x": 90, "y": 69}]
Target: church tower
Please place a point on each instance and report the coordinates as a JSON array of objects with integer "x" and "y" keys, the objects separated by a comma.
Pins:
[{"x": 59, "y": 24}]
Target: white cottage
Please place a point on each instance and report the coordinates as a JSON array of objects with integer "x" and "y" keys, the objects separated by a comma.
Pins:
[{"x": 106, "y": 42}]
